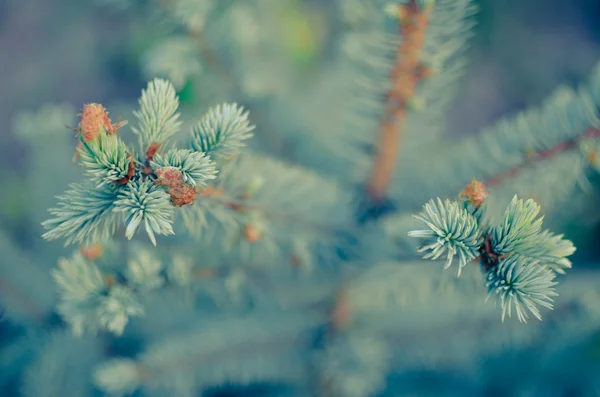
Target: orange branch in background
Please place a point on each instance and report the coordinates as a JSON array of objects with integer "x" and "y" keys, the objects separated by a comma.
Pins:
[
  {"x": 407, "y": 72},
  {"x": 545, "y": 155}
]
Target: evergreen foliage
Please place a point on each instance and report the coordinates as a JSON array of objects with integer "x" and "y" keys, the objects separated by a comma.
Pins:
[
  {"x": 511, "y": 254},
  {"x": 265, "y": 268}
]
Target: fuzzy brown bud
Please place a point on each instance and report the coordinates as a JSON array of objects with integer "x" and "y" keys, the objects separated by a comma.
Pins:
[
  {"x": 92, "y": 252},
  {"x": 169, "y": 176},
  {"x": 474, "y": 193},
  {"x": 182, "y": 194},
  {"x": 251, "y": 233},
  {"x": 94, "y": 119}
]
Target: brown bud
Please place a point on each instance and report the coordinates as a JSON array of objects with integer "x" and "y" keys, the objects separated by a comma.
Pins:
[
  {"x": 94, "y": 119},
  {"x": 92, "y": 252},
  {"x": 251, "y": 233},
  {"x": 182, "y": 194},
  {"x": 169, "y": 177},
  {"x": 474, "y": 193}
]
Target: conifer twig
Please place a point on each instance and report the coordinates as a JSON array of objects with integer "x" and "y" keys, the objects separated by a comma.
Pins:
[
  {"x": 545, "y": 155},
  {"x": 240, "y": 205},
  {"x": 407, "y": 72}
]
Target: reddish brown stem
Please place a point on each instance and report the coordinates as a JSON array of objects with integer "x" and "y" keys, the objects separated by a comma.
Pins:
[
  {"x": 407, "y": 72},
  {"x": 488, "y": 255},
  {"x": 130, "y": 172},
  {"x": 541, "y": 156}
]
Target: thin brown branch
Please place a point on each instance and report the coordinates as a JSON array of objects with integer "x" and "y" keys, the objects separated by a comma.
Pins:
[
  {"x": 244, "y": 204},
  {"x": 533, "y": 158},
  {"x": 407, "y": 72}
]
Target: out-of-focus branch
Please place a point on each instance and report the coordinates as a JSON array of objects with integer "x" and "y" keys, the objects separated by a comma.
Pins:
[
  {"x": 273, "y": 139},
  {"x": 407, "y": 72},
  {"x": 533, "y": 158}
]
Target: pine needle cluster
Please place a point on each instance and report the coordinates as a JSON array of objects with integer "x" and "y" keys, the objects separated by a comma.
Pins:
[{"x": 520, "y": 259}]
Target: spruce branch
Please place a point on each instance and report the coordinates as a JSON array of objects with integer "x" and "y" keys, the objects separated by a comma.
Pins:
[
  {"x": 442, "y": 29},
  {"x": 533, "y": 157},
  {"x": 566, "y": 108},
  {"x": 455, "y": 231},
  {"x": 145, "y": 191},
  {"x": 158, "y": 119},
  {"x": 90, "y": 301},
  {"x": 148, "y": 204},
  {"x": 243, "y": 350},
  {"x": 522, "y": 285},
  {"x": 254, "y": 202},
  {"x": 106, "y": 159},
  {"x": 562, "y": 132},
  {"x": 196, "y": 167},
  {"x": 519, "y": 258},
  {"x": 85, "y": 214},
  {"x": 408, "y": 71},
  {"x": 354, "y": 365},
  {"x": 518, "y": 227},
  {"x": 96, "y": 295},
  {"x": 222, "y": 131}
]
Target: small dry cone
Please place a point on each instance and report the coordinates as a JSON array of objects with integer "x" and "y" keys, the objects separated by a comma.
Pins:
[
  {"x": 474, "y": 193},
  {"x": 182, "y": 194}
]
